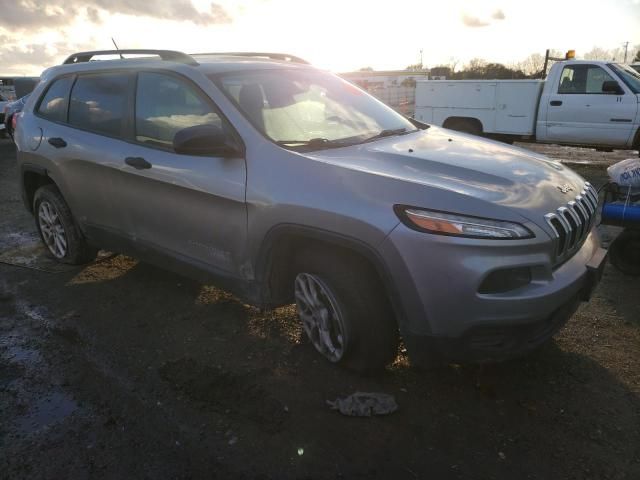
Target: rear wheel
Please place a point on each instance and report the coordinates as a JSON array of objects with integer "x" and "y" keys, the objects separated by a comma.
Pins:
[
  {"x": 58, "y": 230},
  {"x": 344, "y": 311},
  {"x": 466, "y": 125}
]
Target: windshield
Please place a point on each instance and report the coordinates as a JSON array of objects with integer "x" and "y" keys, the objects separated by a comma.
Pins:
[
  {"x": 313, "y": 109},
  {"x": 628, "y": 75}
]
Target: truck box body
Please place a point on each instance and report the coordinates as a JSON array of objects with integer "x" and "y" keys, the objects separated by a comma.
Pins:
[{"x": 502, "y": 106}]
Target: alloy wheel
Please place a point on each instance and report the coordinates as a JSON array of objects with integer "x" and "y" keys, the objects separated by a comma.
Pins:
[
  {"x": 52, "y": 229},
  {"x": 321, "y": 317}
]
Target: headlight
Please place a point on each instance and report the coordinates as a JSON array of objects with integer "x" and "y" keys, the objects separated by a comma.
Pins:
[{"x": 442, "y": 223}]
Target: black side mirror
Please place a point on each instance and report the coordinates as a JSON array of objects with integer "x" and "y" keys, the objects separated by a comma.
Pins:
[
  {"x": 612, "y": 87},
  {"x": 204, "y": 140}
]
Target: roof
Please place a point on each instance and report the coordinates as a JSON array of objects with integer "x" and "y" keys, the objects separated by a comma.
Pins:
[
  {"x": 386, "y": 73},
  {"x": 209, "y": 63}
]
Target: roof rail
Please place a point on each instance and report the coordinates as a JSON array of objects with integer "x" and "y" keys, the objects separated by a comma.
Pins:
[
  {"x": 274, "y": 56},
  {"x": 166, "y": 55}
]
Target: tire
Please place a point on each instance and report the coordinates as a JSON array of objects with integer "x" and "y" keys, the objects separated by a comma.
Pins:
[
  {"x": 58, "y": 231},
  {"x": 624, "y": 252},
  {"x": 363, "y": 328}
]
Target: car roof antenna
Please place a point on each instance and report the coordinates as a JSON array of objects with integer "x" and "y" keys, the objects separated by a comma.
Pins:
[{"x": 116, "y": 45}]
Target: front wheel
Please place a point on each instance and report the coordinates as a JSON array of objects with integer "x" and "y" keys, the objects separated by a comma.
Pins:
[
  {"x": 344, "y": 311},
  {"x": 58, "y": 230}
]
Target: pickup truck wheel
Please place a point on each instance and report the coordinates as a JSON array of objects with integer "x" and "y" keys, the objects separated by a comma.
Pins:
[
  {"x": 465, "y": 126},
  {"x": 345, "y": 314},
  {"x": 624, "y": 252},
  {"x": 58, "y": 230}
]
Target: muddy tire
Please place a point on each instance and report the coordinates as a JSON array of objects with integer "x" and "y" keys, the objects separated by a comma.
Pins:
[
  {"x": 344, "y": 311},
  {"x": 58, "y": 231},
  {"x": 624, "y": 252}
]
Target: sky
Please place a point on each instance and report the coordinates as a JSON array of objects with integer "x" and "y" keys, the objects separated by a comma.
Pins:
[{"x": 338, "y": 35}]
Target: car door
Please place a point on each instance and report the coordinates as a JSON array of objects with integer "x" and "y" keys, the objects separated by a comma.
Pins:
[
  {"x": 190, "y": 207},
  {"x": 82, "y": 119},
  {"x": 580, "y": 112}
]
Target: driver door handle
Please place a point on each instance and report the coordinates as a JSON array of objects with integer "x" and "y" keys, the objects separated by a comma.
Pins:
[
  {"x": 555, "y": 103},
  {"x": 57, "y": 142},
  {"x": 138, "y": 163}
]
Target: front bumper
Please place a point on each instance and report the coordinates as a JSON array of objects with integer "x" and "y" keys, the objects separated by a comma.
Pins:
[{"x": 446, "y": 317}]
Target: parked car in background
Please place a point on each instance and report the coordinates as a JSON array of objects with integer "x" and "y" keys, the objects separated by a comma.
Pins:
[
  {"x": 635, "y": 66},
  {"x": 283, "y": 183},
  {"x": 3, "y": 103},
  {"x": 582, "y": 102},
  {"x": 11, "y": 111}
]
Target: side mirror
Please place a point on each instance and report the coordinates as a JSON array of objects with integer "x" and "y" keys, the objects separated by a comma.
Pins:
[
  {"x": 612, "y": 87},
  {"x": 204, "y": 140}
]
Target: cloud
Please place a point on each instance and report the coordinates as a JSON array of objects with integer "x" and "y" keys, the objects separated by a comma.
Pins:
[
  {"x": 473, "y": 22},
  {"x": 27, "y": 56},
  {"x": 29, "y": 14},
  {"x": 21, "y": 58}
]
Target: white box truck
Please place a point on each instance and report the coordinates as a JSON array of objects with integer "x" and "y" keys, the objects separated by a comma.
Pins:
[{"x": 585, "y": 103}]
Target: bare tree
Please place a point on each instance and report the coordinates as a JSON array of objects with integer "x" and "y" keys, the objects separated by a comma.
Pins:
[
  {"x": 476, "y": 64},
  {"x": 531, "y": 65},
  {"x": 598, "y": 53},
  {"x": 453, "y": 63}
]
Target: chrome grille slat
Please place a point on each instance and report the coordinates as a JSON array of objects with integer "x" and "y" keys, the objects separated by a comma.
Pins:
[{"x": 571, "y": 222}]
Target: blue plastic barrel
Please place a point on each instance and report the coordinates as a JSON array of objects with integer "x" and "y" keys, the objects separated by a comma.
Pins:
[{"x": 620, "y": 213}]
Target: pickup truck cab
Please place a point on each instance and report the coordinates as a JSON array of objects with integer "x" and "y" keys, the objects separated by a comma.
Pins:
[{"x": 582, "y": 102}]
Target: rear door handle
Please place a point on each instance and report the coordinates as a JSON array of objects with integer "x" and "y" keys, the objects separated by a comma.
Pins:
[
  {"x": 555, "y": 103},
  {"x": 57, "y": 142},
  {"x": 138, "y": 163}
]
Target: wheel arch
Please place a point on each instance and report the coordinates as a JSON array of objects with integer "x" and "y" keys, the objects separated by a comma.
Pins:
[
  {"x": 456, "y": 121},
  {"x": 32, "y": 178},
  {"x": 636, "y": 140},
  {"x": 274, "y": 268}
]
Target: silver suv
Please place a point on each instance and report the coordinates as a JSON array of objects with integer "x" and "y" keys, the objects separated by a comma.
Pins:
[{"x": 283, "y": 184}]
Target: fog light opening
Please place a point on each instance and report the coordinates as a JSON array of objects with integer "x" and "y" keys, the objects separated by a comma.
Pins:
[{"x": 505, "y": 280}]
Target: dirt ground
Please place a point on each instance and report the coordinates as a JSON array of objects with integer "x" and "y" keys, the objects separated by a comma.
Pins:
[{"x": 123, "y": 370}]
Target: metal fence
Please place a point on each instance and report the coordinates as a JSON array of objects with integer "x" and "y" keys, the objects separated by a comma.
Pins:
[{"x": 400, "y": 98}]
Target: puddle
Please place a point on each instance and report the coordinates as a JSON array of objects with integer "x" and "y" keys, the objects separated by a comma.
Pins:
[
  {"x": 22, "y": 355},
  {"x": 32, "y": 254},
  {"x": 46, "y": 411}
]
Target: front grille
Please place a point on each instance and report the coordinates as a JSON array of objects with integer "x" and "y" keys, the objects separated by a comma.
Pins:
[{"x": 572, "y": 222}]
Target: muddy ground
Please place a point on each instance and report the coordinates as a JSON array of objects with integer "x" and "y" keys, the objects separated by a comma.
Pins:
[{"x": 123, "y": 370}]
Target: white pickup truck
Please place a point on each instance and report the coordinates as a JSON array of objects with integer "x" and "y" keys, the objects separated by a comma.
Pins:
[{"x": 586, "y": 103}]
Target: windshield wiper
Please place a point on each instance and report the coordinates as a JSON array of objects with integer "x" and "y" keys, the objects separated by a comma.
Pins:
[
  {"x": 389, "y": 132},
  {"x": 319, "y": 142}
]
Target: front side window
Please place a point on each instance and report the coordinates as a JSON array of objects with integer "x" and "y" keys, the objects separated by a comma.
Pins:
[
  {"x": 99, "y": 103},
  {"x": 583, "y": 79},
  {"x": 298, "y": 107},
  {"x": 166, "y": 105},
  {"x": 53, "y": 105}
]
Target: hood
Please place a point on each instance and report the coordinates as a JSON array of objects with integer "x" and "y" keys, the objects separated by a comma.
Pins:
[{"x": 482, "y": 169}]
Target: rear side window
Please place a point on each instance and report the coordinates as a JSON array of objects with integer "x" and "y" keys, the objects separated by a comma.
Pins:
[
  {"x": 53, "y": 105},
  {"x": 99, "y": 103},
  {"x": 165, "y": 105}
]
